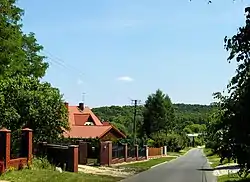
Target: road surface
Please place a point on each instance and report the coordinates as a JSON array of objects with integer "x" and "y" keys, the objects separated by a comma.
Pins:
[{"x": 191, "y": 167}]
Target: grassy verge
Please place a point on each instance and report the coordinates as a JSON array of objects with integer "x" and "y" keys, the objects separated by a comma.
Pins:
[
  {"x": 181, "y": 152},
  {"x": 142, "y": 166},
  {"x": 41, "y": 171},
  {"x": 214, "y": 158},
  {"x": 232, "y": 178},
  {"x": 43, "y": 175}
]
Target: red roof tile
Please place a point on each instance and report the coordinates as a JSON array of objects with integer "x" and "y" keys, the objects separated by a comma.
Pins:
[
  {"x": 87, "y": 131},
  {"x": 106, "y": 123},
  {"x": 87, "y": 111},
  {"x": 78, "y": 118}
]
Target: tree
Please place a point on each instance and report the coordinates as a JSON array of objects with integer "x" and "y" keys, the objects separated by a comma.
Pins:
[
  {"x": 195, "y": 128},
  {"x": 19, "y": 53},
  {"x": 158, "y": 114},
  {"x": 25, "y": 102},
  {"x": 235, "y": 119}
]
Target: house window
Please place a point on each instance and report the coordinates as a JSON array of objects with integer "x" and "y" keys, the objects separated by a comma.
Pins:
[{"x": 89, "y": 123}]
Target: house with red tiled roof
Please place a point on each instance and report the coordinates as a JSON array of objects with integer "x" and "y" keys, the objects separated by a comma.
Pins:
[{"x": 85, "y": 124}]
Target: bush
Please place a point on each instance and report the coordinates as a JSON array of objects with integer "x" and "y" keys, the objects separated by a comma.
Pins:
[
  {"x": 176, "y": 142},
  {"x": 159, "y": 138},
  {"x": 41, "y": 163},
  {"x": 150, "y": 143},
  {"x": 199, "y": 141}
]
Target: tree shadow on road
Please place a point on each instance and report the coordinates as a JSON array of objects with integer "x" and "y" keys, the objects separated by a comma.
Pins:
[{"x": 206, "y": 169}]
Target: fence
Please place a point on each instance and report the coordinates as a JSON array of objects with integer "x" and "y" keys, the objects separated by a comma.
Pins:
[
  {"x": 62, "y": 156},
  {"x": 142, "y": 152},
  {"x": 118, "y": 153},
  {"x": 131, "y": 151},
  {"x": 155, "y": 151},
  {"x": 107, "y": 153},
  {"x": 24, "y": 150}
]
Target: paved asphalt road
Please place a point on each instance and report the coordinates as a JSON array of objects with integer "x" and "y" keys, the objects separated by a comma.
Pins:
[{"x": 187, "y": 168}]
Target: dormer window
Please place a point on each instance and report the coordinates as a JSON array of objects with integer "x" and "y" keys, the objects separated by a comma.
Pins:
[{"x": 89, "y": 123}]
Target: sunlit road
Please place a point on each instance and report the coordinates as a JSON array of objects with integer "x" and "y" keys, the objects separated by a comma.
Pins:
[{"x": 192, "y": 167}]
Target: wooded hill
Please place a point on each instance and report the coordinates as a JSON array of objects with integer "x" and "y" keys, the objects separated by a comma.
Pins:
[{"x": 190, "y": 118}]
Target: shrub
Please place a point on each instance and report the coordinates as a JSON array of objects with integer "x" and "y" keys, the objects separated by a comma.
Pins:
[
  {"x": 151, "y": 143},
  {"x": 41, "y": 163},
  {"x": 176, "y": 142},
  {"x": 159, "y": 138}
]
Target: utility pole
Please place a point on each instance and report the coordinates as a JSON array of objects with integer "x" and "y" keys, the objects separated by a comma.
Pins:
[{"x": 135, "y": 102}]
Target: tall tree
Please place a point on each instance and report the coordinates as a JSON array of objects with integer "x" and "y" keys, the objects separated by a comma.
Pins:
[
  {"x": 158, "y": 114},
  {"x": 19, "y": 52},
  {"x": 24, "y": 100},
  {"x": 236, "y": 106}
]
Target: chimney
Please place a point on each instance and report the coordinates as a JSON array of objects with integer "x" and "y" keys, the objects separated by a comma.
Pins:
[
  {"x": 66, "y": 105},
  {"x": 81, "y": 106}
]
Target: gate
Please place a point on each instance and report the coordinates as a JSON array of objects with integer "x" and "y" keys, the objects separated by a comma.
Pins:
[{"x": 93, "y": 153}]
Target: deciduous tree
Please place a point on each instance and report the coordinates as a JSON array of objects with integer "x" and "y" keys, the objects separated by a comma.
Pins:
[
  {"x": 19, "y": 52},
  {"x": 236, "y": 116},
  {"x": 24, "y": 100}
]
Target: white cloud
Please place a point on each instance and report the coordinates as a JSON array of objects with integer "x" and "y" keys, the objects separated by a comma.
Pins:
[
  {"x": 125, "y": 79},
  {"x": 79, "y": 82}
]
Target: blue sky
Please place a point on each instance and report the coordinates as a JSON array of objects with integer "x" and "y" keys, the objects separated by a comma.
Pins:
[{"x": 117, "y": 50}]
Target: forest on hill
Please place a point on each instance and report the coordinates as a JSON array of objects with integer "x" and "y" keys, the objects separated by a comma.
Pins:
[{"x": 187, "y": 118}]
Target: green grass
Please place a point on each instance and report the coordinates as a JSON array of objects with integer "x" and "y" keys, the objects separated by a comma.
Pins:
[
  {"x": 42, "y": 170},
  {"x": 232, "y": 178},
  {"x": 142, "y": 166},
  {"x": 214, "y": 158},
  {"x": 43, "y": 175},
  {"x": 181, "y": 152}
]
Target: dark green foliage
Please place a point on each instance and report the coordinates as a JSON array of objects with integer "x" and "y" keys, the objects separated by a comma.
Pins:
[
  {"x": 120, "y": 116},
  {"x": 158, "y": 114},
  {"x": 233, "y": 122},
  {"x": 176, "y": 142},
  {"x": 24, "y": 100},
  {"x": 186, "y": 118},
  {"x": 159, "y": 139},
  {"x": 18, "y": 51},
  {"x": 185, "y": 114}
]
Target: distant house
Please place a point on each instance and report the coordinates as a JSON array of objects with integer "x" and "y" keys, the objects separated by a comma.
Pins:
[{"x": 85, "y": 124}]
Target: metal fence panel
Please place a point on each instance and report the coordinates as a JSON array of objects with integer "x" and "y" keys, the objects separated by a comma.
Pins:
[
  {"x": 117, "y": 151},
  {"x": 142, "y": 151},
  {"x": 131, "y": 151}
]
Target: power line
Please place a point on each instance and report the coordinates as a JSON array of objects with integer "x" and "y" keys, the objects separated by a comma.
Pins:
[
  {"x": 61, "y": 62},
  {"x": 135, "y": 102}
]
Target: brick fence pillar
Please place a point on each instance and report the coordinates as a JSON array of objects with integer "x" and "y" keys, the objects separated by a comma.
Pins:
[
  {"x": 5, "y": 146},
  {"x": 82, "y": 152},
  {"x": 125, "y": 148},
  {"x": 106, "y": 153},
  {"x": 136, "y": 152},
  {"x": 27, "y": 141},
  {"x": 72, "y": 158}
]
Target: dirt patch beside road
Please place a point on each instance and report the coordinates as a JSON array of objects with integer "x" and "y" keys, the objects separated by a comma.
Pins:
[{"x": 109, "y": 171}]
